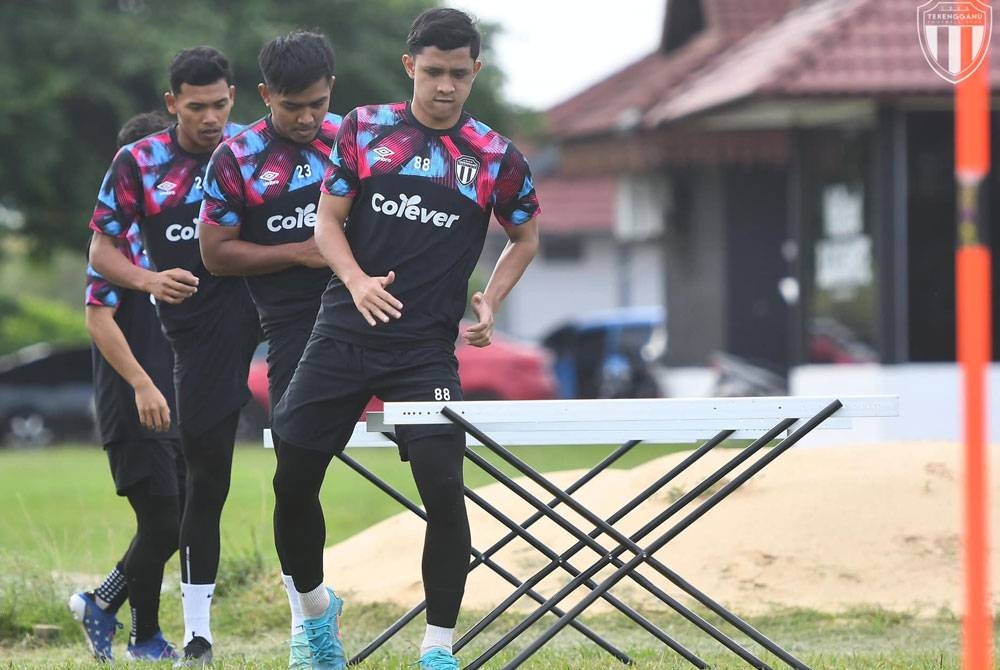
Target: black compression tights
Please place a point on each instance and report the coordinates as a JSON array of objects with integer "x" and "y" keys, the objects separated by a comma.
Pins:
[
  {"x": 209, "y": 459},
  {"x": 436, "y": 463},
  {"x": 155, "y": 541}
]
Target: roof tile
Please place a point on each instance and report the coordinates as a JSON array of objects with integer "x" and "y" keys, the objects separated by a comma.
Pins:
[
  {"x": 859, "y": 48},
  {"x": 606, "y": 105}
]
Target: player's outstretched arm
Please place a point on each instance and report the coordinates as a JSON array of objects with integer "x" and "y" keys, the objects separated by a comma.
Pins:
[
  {"x": 513, "y": 261},
  {"x": 224, "y": 253},
  {"x": 369, "y": 293},
  {"x": 154, "y": 413},
  {"x": 171, "y": 286}
]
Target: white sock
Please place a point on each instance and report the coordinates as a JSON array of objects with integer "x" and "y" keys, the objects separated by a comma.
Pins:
[
  {"x": 315, "y": 602},
  {"x": 196, "y": 600},
  {"x": 436, "y": 636},
  {"x": 294, "y": 604}
]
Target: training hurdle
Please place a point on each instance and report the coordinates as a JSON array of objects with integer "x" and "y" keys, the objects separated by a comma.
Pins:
[{"x": 776, "y": 421}]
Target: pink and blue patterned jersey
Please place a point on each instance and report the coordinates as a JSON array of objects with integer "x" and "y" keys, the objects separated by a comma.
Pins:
[
  {"x": 100, "y": 292},
  {"x": 267, "y": 186},
  {"x": 156, "y": 185},
  {"x": 422, "y": 201}
]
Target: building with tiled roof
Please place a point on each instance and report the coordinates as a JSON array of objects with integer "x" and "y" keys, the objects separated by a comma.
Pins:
[
  {"x": 588, "y": 261},
  {"x": 780, "y": 173},
  {"x": 805, "y": 151}
]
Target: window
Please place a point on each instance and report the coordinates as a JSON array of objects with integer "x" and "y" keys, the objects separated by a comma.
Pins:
[{"x": 841, "y": 321}]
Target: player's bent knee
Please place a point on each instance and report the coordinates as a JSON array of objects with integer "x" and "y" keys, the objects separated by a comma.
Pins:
[{"x": 299, "y": 472}]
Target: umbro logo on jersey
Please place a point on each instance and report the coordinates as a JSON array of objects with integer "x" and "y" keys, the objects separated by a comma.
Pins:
[
  {"x": 383, "y": 153},
  {"x": 270, "y": 177},
  {"x": 466, "y": 169},
  {"x": 166, "y": 187}
]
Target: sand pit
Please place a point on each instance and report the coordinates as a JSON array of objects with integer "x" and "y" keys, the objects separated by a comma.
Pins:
[{"x": 823, "y": 528}]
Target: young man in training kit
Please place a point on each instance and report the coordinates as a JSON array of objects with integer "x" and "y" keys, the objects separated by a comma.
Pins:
[
  {"x": 402, "y": 220},
  {"x": 210, "y": 322},
  {"x": 259, "y": 211},
  {"x": 133, "y": 397}
]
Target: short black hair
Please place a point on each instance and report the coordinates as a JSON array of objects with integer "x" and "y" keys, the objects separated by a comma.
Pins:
[
  {"x": 294, "y": 62},
  {"x": 199, "y": 66},
  {"x": 446, "y": 29},
  {"x": 141, "y": 125}
]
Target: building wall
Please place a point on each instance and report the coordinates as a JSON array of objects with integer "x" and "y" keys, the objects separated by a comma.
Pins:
[
  {"x": 553, "y": 290},
  {"x": 930, "y": 400},
  {"x": 694, "y": 252}
]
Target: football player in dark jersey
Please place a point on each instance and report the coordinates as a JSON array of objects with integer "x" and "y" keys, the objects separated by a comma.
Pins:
[
  {"x": 133, "y": 398},
  {"x": 210, "y": 321},
  {"x": 259, "y": 212},
  {"x": 402, "y": 220}
]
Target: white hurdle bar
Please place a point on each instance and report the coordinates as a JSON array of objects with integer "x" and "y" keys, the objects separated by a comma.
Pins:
[{"x": 658, "y": 420}]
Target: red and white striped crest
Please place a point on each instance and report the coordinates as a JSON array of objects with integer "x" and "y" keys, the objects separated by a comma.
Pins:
[{"x": 954, "y": 36}]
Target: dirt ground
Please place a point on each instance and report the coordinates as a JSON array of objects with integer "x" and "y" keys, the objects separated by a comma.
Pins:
[{"x": 823, "y": 528}]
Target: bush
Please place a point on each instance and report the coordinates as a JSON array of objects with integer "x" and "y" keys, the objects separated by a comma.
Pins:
[
  {"x": 27, "y": 320},
  {"x": 30, "y": 596}
]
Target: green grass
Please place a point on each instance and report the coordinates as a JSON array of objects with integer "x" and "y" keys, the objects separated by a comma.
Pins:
[
  {"x": 61, "y": 510},
  {"x": 250, "y": 626},
  {"x": 63, "y": 525}
]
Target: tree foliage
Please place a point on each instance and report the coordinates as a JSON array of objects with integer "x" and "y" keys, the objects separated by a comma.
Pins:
[
  {"x": 74, "y": 70},
  {"x": 27, "y": 320}
]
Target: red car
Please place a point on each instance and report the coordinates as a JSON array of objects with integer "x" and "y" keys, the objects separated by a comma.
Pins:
[{"x": 505, "y": 370}]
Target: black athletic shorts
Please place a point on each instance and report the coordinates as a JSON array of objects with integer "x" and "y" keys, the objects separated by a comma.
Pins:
[
  {"x": 211, "y": 364},
  {"x": 159, "y": 461},
  {"x": 335, "y": 380},
  {"x": 285, "y": 344}
]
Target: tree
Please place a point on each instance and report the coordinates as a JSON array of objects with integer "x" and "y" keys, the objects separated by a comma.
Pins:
[{"x": 79, "y": 68}]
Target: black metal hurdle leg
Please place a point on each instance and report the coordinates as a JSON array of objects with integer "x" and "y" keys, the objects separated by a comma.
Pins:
[
  {"x": 727, "y": 642},
  {"x": 588, "y": 540},
  {"x": 561, "y": 561},
  {"x": 617, "y": 516},
  {"x": 658, "y": 544},
  {"x": 732, "y": 618},
  {"x": 693, "y": 494},
  {"x": 637, "y": 618},
  {"x": 480, "y": 558},
  {"x": 551, "y": 555}
]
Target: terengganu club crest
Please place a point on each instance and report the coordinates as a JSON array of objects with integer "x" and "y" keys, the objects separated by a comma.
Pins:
[
  {"x": 954, "y": 36},
  {"x": 466, "y": 169}
]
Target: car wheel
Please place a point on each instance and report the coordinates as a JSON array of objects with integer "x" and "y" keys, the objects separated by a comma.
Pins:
[{"x": 27, "y": 428}]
